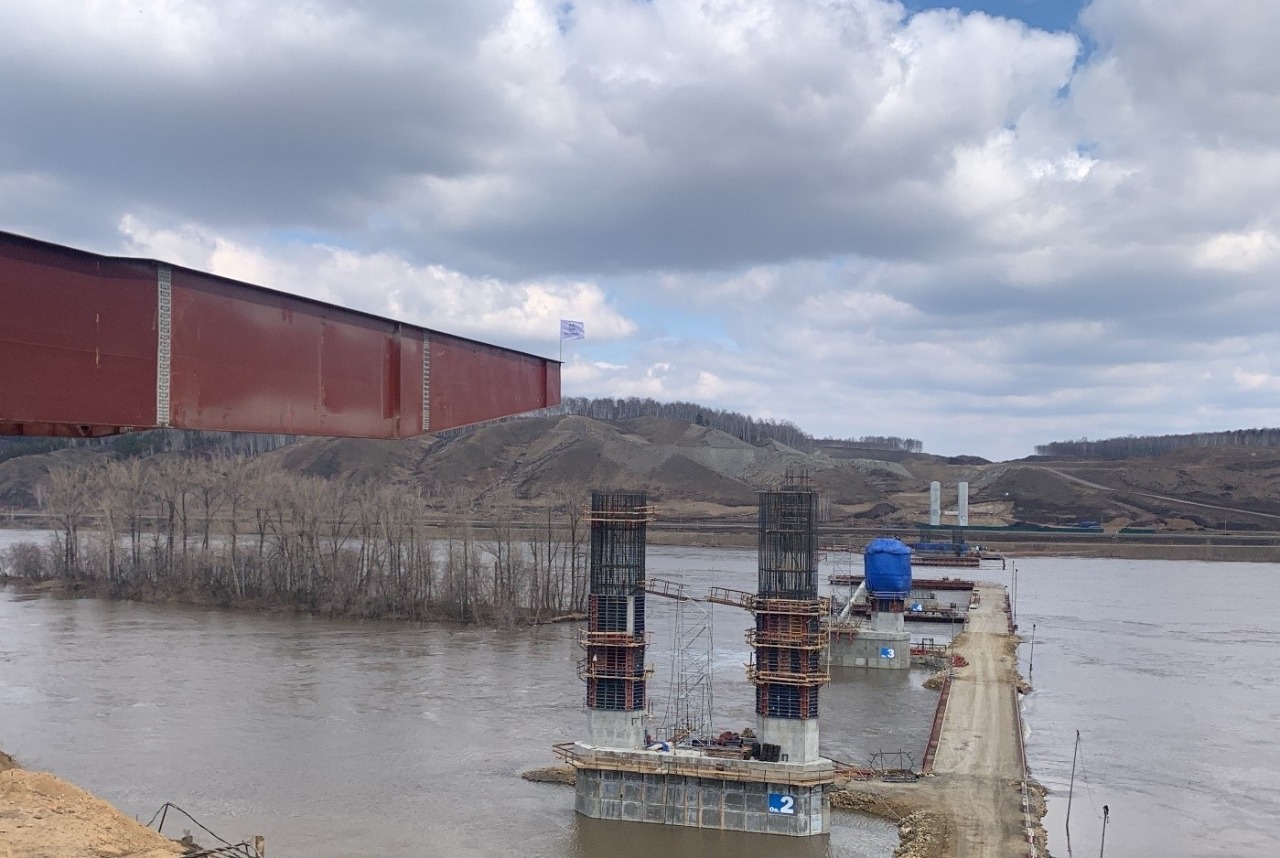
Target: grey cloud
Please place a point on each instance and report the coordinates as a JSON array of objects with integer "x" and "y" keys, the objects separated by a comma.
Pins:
[{"x": 905, "y": 225}]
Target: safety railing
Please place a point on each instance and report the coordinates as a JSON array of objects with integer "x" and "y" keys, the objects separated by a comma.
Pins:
[
  {"x": 595, "y": 670},
  {"x": 588, "y": 638},
  {"x": 786, "y": 639},
  {"x": 693, "y": 765},
  {"x": 758, "y": 674}
]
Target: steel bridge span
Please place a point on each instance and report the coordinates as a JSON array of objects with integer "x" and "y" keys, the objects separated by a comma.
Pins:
[{"x": 95, "y": 345}]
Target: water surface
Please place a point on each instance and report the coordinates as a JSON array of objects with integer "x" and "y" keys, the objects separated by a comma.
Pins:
[{"x": 341, "y": 738}]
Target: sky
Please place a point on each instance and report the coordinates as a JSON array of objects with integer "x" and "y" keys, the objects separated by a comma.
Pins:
[{"x": 986, "y": 227}]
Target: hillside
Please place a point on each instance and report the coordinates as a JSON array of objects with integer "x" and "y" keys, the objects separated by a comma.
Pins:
[{"x": 692, "y": 471}]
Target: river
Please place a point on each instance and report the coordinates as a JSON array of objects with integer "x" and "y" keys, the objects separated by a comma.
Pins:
[
  {"x": 340, "y": 738},
  {"x": 1169, "y": 671}
]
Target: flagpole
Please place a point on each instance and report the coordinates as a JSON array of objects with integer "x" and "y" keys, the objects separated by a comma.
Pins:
[{"x": 569, "y": 330}]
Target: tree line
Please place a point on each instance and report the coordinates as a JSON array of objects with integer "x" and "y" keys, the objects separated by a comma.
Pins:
[
  {"x": 150, "y": 442},
  {"x": 226, "y": 530},
  {"x": 1154, "y": 445},
  {"x": 741, "y": 426}
]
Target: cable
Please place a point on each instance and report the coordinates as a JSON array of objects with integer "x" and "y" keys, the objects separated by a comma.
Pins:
[
  {"x": 168, "y": 804},
  {"x": 1088, "y": 788}
]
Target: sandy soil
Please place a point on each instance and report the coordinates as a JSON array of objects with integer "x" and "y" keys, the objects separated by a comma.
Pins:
[
  {"x": 979, "y": 762},
  {"x": 42, "y": 816}
]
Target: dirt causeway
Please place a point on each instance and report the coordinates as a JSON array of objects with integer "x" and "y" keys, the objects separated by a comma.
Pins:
[{"x": 971, "y": 806}]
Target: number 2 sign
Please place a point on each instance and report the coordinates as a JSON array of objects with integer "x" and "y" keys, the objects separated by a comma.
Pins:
[{"x": 780, "y": 803}]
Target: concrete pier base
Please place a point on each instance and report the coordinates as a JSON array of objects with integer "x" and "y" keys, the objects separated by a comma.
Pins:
[
  {"x": 797, "y": 737},
  {"x": 886, "y": 650},
  {"x": 686, "y": 788},
  {"x": 608, "y": 728}
]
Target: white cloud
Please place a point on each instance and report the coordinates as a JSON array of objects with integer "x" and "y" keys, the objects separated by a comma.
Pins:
[
  {"x": 431, "y": 295},
  {"x": 1237, "y": 251}
]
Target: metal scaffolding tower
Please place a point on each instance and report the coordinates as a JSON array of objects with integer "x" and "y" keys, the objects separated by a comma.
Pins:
[{"x": 689, "y": 702}]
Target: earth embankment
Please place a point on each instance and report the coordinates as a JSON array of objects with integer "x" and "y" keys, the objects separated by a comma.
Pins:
[{"x": 43, "y": 816}]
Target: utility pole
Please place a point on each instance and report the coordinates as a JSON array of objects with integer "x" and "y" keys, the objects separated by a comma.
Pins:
[
  {"x": 1072, "y": 789},
  {"x": 1013, "y": 604},
  {"x": 1106, "y": 814},
  {"x": 1031, "y": 665}
]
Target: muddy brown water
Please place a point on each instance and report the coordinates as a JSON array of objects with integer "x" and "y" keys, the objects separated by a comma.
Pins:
[
  {"x": 350, "y": 738},
  {"x": 342, "y": 738},
  {"x": 1169, "y": 671}
]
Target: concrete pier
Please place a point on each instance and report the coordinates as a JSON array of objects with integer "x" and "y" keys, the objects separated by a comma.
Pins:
[
  {"x": 615, "y": 729},
  {"x": 866, "y": 647},
  {"x": 798, "y": 738},
  {"x": 685, "y": 787},
  {"x": 883, "y": 644}
]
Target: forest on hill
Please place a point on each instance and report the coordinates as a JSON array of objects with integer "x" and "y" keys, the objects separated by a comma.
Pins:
[
  {"x": 1131, "y": 446},
  {"x": 741, "y": 426}
]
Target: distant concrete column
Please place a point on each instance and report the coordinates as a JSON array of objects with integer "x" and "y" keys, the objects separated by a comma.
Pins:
[
  {"x": 962, "y": 505},
  {"x": 935, "y": 503}
]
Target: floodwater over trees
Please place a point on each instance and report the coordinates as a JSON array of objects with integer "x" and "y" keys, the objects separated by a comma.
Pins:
[{"x": 226, "y": 530}]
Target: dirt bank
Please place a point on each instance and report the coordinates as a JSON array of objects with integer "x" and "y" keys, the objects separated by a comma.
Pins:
[
  {"x": 924, "y": 829},
  {"x": 552, "y": 775},
  {"x": 42, "y": 816}
]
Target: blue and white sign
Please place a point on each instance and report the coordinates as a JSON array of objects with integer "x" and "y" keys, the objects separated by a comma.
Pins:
[
  {"x": 886, "y": 652},
  {"x": 782, "y": 803},
  {"x": 916, "y": 607}
]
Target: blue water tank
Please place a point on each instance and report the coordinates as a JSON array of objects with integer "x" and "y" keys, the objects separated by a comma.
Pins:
[{"x": 887, "y": 565}]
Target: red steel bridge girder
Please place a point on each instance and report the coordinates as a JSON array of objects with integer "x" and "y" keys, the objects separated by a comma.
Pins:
[{"x": 93, "y": 345}]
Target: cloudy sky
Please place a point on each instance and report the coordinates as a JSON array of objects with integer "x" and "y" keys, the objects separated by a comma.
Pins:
[{"x": 986, "y": 227}]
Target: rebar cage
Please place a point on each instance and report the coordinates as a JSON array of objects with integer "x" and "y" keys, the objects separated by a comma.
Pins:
[
  {"x": 786, "y": 666},
  {"x": 788, "y": 548},
  {"x": 614, "y": 667}
]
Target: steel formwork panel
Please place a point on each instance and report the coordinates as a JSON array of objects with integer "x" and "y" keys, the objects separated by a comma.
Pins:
[{"x": 787, "y": 701}]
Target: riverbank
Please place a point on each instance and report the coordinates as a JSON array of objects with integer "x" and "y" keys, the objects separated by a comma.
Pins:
[
  {"x": 1207, "y": 546},
  {"x": 42, "y": 816}
]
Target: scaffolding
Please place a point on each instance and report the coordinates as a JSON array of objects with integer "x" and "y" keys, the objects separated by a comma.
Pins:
[
  {"x": 788, "y": 638},
  {"x": 689, "y": 702},
  {"x": 615, "y": 638}
]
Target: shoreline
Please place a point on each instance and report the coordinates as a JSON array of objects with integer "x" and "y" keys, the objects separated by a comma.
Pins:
[
  {"x": 46, "y": 815},
  {"x": 1194, "y": 545}
]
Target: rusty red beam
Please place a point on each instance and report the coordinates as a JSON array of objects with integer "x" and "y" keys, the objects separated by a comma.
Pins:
[
  {"x": 95, "y": 345},
  {"x": 935, "y": 732},
  {"x": 841, "y": 580}
]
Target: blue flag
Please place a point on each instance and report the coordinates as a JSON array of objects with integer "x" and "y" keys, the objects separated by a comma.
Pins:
[{"x": 572, "y": 330}]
